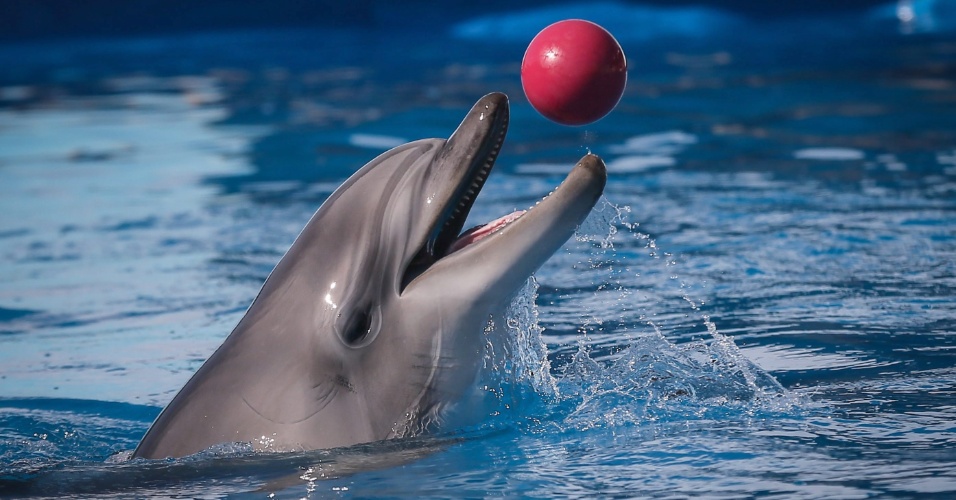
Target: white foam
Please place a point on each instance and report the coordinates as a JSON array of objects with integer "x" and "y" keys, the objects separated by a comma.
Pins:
[
  {"x": 659, "y": 143},
  {"x": 829, "y": 154},
  {"x": 634, "y": 163}
]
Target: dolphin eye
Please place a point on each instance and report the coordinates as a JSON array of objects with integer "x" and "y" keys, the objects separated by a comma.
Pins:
[
  {"x": 357, "y": 328},
  {"x": 361, "y": 327}
]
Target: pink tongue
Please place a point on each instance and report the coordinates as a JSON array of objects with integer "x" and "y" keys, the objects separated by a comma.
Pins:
[{"x": 473, "y": 235}]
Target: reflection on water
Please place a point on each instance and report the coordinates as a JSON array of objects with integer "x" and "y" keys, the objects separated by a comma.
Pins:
[
  {"x": 762, "y": 304},
  {"x": 107, "y": 229}
]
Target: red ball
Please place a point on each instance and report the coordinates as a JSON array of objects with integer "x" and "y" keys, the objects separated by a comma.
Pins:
[{"x": 574, "y": 72}]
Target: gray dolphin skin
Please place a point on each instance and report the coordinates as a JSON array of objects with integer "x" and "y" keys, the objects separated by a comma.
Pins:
[{"x": 372, "y": 325}]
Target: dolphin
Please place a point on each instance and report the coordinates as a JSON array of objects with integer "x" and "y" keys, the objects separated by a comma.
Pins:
[{"x": 371, "y": 326}]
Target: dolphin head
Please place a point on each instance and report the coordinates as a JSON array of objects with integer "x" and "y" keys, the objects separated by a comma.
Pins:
[
  {"x": 373, "y": 321},
  {"x": 424, "y": 291}
]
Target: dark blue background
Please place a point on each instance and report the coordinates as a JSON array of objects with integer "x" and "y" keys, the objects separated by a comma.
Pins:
[{"x": 31, "y": 19}]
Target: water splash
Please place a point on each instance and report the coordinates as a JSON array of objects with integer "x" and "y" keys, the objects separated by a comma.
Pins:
[
  {"x": 516, "y": 369},
  {"x": 626, "y": 369}
]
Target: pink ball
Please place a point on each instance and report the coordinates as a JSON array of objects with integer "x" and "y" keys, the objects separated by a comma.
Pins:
[{"x": 574, "y": 72}]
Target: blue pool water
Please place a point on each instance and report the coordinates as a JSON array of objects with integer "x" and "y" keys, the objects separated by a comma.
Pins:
[{"x": 764, "y": 302}]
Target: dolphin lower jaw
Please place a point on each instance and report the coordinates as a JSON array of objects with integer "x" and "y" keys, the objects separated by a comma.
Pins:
[{"x": 496, "y": 263}]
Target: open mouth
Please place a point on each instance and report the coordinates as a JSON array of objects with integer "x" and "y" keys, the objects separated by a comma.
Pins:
[{"x": 467, "y": 159}]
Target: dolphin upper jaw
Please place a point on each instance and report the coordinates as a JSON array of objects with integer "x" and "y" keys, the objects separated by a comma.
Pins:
[{"x": 456, "y": 176}]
